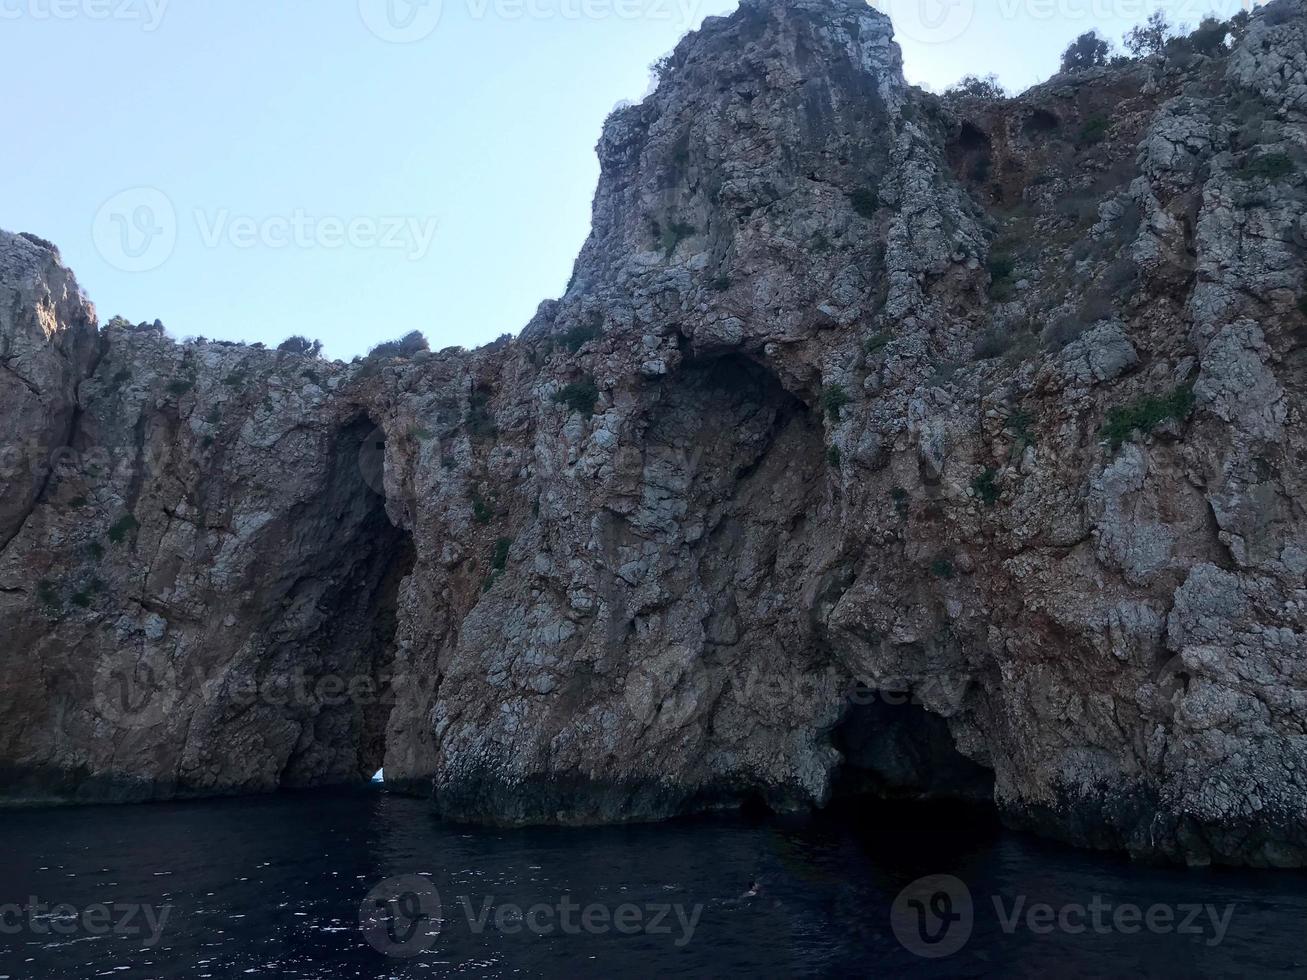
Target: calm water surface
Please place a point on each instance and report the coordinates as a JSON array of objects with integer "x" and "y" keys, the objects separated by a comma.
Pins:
[{"x": 278, "y": 886}]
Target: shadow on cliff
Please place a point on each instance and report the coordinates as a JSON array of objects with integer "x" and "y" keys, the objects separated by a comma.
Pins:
[{"x": 360, "y": 559}]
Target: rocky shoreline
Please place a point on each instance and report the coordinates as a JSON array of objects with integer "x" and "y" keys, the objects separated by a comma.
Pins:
[{"x": 881, "y": 443}]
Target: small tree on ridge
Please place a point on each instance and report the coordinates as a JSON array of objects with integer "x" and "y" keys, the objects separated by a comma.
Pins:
[{"x": 1089, "y": 50}]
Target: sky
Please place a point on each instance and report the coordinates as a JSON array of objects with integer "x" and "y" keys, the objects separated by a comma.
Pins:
[{"x": 351, "y": 170}]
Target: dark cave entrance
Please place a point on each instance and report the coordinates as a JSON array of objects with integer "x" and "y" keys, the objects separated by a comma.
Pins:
[
  {"x": 731, "y": 398},
  {"x": 893, "y": 749},
  {"x": 353, "y": 561},
  {"x": 1041, "y": 121},
  {"x": 971, "y": 156}
]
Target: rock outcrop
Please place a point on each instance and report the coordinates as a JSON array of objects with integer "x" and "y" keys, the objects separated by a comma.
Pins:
[
  {"x": 47, "y": 346},
  {"x": 880, "y": 443}
]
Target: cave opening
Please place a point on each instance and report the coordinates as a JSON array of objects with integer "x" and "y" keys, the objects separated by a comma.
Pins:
[
  {"x": 904, "y": 788},
  {"x": 355, "y": 560},
  {"x": 1041, "y": 121},
  {"x": 971, "y": 137},
  {"x": 738, "y": 412},
  {"x": 898, "y": 751},
  {"x": 971, "y": 154}
]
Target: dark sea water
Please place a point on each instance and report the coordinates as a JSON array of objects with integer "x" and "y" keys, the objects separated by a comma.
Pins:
[{"x": 273, "y": 887}]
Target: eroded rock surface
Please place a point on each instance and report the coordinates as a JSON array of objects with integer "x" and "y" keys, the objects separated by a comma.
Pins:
[{"x": 879, "y": 443}]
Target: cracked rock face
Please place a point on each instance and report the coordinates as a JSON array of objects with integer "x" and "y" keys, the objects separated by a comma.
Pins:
[
  {"x": 879, "y": 444},
  {"x": 47, "y": 345}
]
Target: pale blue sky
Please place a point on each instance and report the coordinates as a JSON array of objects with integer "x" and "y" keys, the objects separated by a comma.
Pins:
[{"x": 352, "y": 171}]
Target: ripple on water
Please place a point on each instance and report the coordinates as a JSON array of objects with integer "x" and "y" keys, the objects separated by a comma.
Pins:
[{"x": 273, "y": 887}]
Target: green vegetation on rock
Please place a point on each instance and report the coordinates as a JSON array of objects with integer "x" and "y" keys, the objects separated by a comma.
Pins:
[
  {"x": 833, "y": 400},
  {"x": 122, "y": 527},
  {"x": 579, "y": 396},
  {"x": 1147, "y": 413}
]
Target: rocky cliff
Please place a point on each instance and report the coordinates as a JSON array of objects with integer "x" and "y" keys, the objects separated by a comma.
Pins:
[{"x": 880, "y": 444}]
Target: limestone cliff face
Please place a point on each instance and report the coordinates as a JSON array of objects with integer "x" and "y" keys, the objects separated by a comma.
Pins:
[
  {"x": 879, "y": 444},
  {"x": 47, "y": 345}
]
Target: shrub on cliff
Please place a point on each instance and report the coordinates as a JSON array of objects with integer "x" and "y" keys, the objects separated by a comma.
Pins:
[
  {"x": 1209, "y": 38},
  {"x": 981, "y": 88},
  {"x": 985, "y": 486},
  {"x": 1238, "y": 24},
  {"x": 1089, "y": 50},
  {"x": 1269, "y": 166},
  {"x": 994, "y": 342},
  {"x": 1001, "y": 267},
  {"x": 301, "y": 345},
  {"x": 408, "y": 345},
  {"x": 579, "y": 396},
  {"x": 122, "y": 528},
  {"x": 1149, "y": 37},
  {"x": 1146, "y": 414},
  {"x": 84, "y": 598},
  {"x": 480, "y": 423},
  {"x": 1094, "y": 131},
  {"x": 865, "y": 201},
  {"x": 574, "y": 338},
  {"x": 1018, "y": 424},
  {"x": 664, "y": 66},
  {"x": 833, "y": 400},
  {"x": 47, "y": 594},
  {"x": 482, "y": 512}
]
